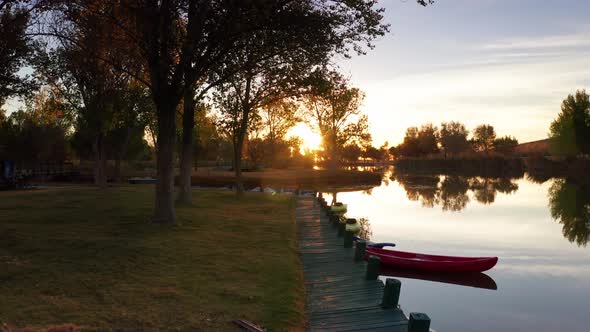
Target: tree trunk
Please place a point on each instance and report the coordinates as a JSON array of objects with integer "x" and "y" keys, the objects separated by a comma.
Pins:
[
  {"x": 121, "y": 155},
  {"x": 100, "y": 178},
  {"x": 239, "y": 143},
  {"x": 238, "y": 165},
  {"x": 164, "y": 208},
  {"x": 333, "y": 153},
  {"x": 186, "y": 163}
]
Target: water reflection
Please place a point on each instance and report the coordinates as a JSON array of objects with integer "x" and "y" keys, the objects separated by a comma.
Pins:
[
  {"x": 569, "y": 199},
  {"x": 538, "y": 226},
  {"x": 477, "y": 280},
  {"x": 569, "y": 202},
  {"x": 452, "y": 192}
]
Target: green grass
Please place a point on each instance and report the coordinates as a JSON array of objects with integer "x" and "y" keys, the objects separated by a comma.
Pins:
[{"x": 91, "y": 258}]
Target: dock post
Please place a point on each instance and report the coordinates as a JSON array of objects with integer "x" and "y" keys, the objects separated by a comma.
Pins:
[
  {"x": 373, "y": 268},
  {"x": 348, "y": 238},
  {"x": 341, "y": 229},
  {"x": 419, "y": 322},
  {"x": 334, "y": 220},
  {"x": 391, "y": 293},
  {"x": 359, "y": 250}
]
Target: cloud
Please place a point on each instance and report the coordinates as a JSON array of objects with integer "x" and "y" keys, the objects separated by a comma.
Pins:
[{"x": 577, "y": 40}]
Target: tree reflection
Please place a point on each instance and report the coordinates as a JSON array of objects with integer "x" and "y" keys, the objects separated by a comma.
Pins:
[
  {"x": 569, "y": 202},
  {"x": 453, "y": 195},
  {"x": 421, "y": 187},
  {"x": 485, "y": 189}
]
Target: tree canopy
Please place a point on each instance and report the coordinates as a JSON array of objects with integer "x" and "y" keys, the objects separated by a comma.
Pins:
[{"x": 570, "y": 131}]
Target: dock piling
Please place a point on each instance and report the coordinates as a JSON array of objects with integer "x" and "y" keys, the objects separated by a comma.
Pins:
[
  {"x": 348, "y": 239},
  {"x": 373, "y": 265},
  {"x": 391, "y": 293},
  {"x": 419, "y": 322},
  {"x": 341, "y": 229},
  {"x": 359, "y": 250}
]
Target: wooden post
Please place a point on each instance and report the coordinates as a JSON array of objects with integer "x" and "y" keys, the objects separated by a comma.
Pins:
[
  {"x": 341, "y": 229},
  {"x": 419, "y": 322},
  {"x": 348, "y": 239},
  {"x": 373, "y": 268},
  {"x": 335, "y": 220},
  {"x": 391, "y": 293},
  {"x": 359, "y": 250}
]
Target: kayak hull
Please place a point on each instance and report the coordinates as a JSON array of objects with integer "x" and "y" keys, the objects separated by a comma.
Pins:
[{"x": 431, "y": 263}]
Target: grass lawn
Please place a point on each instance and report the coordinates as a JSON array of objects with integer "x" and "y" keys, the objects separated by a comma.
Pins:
[{"x": 91, "y": 258}]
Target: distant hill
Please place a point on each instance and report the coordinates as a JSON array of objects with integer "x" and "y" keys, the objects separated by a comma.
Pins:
[{"x": 540, "y": 147}]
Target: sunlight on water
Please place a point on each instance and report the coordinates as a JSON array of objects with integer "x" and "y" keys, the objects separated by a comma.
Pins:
[{"x": 544, "y": 264}]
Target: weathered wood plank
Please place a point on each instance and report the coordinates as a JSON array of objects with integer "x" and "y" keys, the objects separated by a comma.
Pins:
[{"x": 338, "y": 296}]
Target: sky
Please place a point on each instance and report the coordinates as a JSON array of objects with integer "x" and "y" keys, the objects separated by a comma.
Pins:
[{"x": 508, "y": 63}]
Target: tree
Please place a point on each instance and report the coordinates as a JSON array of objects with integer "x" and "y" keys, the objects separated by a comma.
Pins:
[
  {"x": 351, "y": 152},
  {"x": 277, "y": 119},
  {"x": 505, "y": 144},
  {"x": 427, "y": 139},
  {"x": 409, "y": 147},
  {"x": 453, "y": 137},
  {"x": 483, "y": 137},
  {"x": 97, "y": 91},
  {"x": 333, "y": 108},
  {"x": 16, "y": 49},
  {"x": 181, "y": 43},
  {"x": 28, "y": 140},
  {"x": 570, "y": 132}
]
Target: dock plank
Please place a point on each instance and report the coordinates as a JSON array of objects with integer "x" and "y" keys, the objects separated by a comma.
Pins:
[{"x": 338, "y": 296}]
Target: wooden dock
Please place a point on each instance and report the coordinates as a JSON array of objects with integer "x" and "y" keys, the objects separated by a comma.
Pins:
[{"x": 339, "y": 298}]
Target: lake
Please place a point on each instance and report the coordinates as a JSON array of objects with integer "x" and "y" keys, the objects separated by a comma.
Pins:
[{"x": 538, "y": 229}]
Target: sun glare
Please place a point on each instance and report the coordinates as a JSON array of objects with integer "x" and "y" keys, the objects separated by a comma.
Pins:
[{"x": 311, "y": 140}]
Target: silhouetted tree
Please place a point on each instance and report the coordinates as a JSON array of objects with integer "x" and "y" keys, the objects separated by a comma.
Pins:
[
  {"x": 570, "y": 132},
  {"x": 332, "y": 106},
  {"x": 453, "y": 137},
  {"x": 505, "y": 144},
  {"x": 410, "y": 147},
  {"x": 351, "y": 152},
  {"x": 16, "y": 48},
  {"x": 276, "y": 120},
  {"x": 483, "y": 137},
  {"x": 427, "y": 139}
]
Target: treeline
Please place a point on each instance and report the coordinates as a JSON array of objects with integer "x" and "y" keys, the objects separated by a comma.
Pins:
[
  {"x": 115, "y": 67},
  {"x": 452, "y": 139}
]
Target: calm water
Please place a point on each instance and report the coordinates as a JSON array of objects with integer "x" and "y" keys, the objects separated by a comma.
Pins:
[{"x": 539, "y": 231}]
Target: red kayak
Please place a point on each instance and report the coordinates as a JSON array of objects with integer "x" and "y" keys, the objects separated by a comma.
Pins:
[{"x": 433, "y": 263}]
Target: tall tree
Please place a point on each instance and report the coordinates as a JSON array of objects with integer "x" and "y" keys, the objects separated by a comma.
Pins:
[
  {"x": 16, "y": 49},
  {"x": 277, "y": 119},
  {"x": 180, "y": 43},
  {"x": 483, "y": 137},
  {"x": 570, "y": 132},
  {"x": 333, "y": 107},
  {"x": 453, "y": 137},
  {"x": 409, "y": 147},
  {"x": 428, "y": 139},
  {"x": 100, "y": 89}
]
